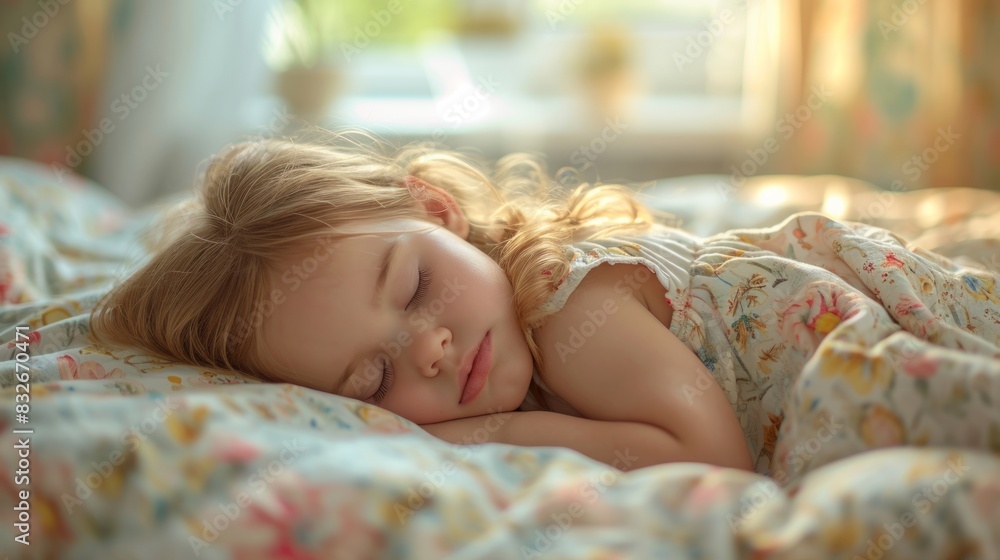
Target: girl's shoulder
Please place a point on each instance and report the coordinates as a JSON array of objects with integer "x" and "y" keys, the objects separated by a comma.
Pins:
[
  {"x": 650, "y": 269},
  {"x": 562, "y": 332},
  {"x": 607, "y": 355}
]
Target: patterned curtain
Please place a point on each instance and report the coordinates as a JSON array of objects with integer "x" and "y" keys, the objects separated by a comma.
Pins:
[
  {"x": 51, "y": 76},
  {"x": 902, "y": 93}
]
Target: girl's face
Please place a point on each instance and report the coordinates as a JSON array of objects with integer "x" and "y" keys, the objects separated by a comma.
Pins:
[{"x": 409, "y": 346}]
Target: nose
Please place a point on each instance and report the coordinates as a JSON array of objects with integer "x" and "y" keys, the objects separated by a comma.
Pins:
[{"x": 430, "y": 351}]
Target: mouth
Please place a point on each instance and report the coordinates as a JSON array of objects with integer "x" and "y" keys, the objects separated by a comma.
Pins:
[{"x": 476, "y": 378}]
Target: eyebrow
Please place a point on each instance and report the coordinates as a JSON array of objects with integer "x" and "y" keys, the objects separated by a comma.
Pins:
[
  {"x": 383, "y": 269},
  {"x": 383, "y": 273}
]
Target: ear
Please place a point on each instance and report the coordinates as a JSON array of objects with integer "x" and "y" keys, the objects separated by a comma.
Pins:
[{"x": 439, "y": 204}]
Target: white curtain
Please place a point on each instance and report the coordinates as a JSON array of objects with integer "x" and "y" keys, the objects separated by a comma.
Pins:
[{"x": 194, "y": 79}]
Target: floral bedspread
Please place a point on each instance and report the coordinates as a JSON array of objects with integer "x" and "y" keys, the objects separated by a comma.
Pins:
[
  {"x": 832, "y": 338},
  {"x": 119, "y": 455}
]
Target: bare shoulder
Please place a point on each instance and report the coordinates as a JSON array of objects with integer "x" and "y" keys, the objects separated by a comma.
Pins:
[
  {"x": 611, "y": 358},
  {"x": 615, "y": 293}
]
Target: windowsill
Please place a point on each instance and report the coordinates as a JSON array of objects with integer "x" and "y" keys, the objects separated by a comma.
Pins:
[
  {"x": 524, "y": 95},
  {"x": 535, "y": 119}
]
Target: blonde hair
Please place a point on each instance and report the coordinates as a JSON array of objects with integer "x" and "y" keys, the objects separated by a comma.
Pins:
[{"x": 196, "y": 300}]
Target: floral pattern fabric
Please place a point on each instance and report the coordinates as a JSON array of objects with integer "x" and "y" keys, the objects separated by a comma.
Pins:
[
  {"x": 825, "y": 331},
  {"x": 834, "y": 331}
]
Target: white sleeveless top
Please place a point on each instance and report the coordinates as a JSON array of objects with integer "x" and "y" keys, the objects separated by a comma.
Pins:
[{"x": 665, "y": 251}]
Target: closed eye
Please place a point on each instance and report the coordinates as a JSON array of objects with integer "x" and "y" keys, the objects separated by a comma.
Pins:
[
  {"x": 424, "y": 280},
  {"x": 383, "y": 387},
  {"x": 422, "y": 285}
]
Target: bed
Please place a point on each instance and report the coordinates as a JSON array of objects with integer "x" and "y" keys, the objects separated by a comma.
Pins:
[{"x": 111, "y": 453}]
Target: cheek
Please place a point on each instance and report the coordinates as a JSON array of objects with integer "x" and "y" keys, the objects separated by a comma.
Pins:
[
  {"x": 419, "y": 404},
  {"x": 490, "y": 280}
]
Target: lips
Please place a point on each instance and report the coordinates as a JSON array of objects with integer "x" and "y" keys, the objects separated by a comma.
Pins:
[{"x": 479, "y": 371}]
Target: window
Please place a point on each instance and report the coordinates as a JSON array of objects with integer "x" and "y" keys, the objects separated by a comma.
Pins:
[{"x": 529, "y": 74}]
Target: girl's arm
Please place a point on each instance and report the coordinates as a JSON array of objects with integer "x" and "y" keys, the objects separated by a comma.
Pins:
[{"x": 622, "y": 445}]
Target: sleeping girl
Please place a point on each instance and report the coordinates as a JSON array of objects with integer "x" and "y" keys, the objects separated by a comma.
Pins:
[{"x": 498, "y": 301}]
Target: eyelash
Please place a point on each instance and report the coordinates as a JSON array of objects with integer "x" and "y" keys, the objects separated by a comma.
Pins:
[
  {"x": 422, "y": 284},
  {"x": 386, "y": 383}
]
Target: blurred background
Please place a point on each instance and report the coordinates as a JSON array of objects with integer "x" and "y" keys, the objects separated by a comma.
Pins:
[{"x": 134, "y": 94}]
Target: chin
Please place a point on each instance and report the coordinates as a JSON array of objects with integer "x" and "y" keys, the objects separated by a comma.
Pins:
[{"x": 515, "y": 399}]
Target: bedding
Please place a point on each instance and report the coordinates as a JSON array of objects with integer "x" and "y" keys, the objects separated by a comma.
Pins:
[{"x": 130, "y": 456}]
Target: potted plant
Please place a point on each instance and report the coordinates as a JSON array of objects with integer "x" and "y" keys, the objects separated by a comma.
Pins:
[{"x": 304, "y": 55}]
